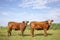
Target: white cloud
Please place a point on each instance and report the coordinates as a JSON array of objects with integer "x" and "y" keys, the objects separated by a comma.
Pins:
[
  {"x": 33, "y": 3},
  {"x": 36, "y": 4},
  {"x": 51, "y": 14}
]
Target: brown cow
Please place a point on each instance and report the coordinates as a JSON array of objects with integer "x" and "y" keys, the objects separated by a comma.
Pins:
[
  {"x": 17, "y": 26},
  {"x": 44, "y": 25}
]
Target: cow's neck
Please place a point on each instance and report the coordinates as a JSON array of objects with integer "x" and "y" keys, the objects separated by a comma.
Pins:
[{"x": 48, "y": 27}]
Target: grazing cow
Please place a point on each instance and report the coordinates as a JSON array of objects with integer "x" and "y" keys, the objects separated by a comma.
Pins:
[
  {"x": 17, "y": 26},
  {"x": 44, "y": 25}
]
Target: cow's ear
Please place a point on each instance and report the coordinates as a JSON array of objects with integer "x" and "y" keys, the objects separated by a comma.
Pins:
[
  {"x": 27, "y": 21},
  {"x": 52, "y": 20}
]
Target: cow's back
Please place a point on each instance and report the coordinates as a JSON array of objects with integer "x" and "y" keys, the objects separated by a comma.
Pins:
[
  {"x": 39, "y": 25},
  {"x": 13, "y": 25}
]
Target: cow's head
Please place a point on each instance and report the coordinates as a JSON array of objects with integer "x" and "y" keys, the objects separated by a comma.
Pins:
[
  {"x": 25, "y": 22},
  {"x": 50, "y": 22}
]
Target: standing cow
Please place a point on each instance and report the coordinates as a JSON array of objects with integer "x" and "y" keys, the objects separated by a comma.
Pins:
[
  {"x": 17, "y": 26},
  {"x": 44, "y": 25}
]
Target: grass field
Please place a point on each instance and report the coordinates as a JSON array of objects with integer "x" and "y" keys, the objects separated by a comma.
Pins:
[{"x": 53, "y": 34}]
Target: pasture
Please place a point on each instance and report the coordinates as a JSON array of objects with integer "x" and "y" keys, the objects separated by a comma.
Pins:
[{"x": 53, "y": 34}]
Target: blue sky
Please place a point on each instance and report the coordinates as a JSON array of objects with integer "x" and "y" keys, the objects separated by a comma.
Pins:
[{"x": 31, "y": 10}]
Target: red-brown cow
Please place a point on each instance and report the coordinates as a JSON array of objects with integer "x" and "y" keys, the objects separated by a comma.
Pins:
[
  {"x": 44, "y": 25},
  {"x": 17, "y": 26}
]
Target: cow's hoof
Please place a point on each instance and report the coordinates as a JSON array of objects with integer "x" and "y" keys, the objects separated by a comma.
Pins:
[
  {"x": 45, "y": 35},
  {"x": 32, "y": 36}
]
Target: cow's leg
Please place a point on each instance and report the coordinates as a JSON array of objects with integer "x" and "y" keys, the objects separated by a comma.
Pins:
[
  {"x": 32, "y": 32},
  {"x": 9, "y": 31},
  {"x": 45, "y": 32},
  {"x": 22, "y": 31}
]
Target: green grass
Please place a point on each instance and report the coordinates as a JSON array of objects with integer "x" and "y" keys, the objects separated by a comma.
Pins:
[
  {"x": 55, "y": 26},
  {"x": 16, "y": 35}
]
